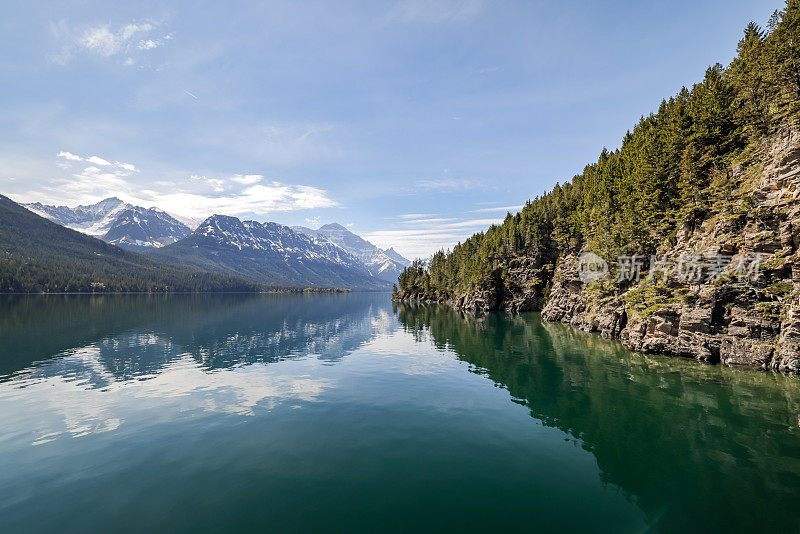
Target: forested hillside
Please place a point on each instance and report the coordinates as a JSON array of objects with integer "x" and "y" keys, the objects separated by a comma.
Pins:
[
  {"x": 672, "y": 167},
  {"x": 714, "y": 170},
  {"x": 39, "y": 256}
]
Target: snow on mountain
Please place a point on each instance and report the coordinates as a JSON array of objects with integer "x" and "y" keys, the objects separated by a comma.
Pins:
[
  {"x": 378, "y": 263},
  {"x": 190, "y": 222},
  {"x": 118, "y": 222},
  {"x": 299, "y": 255},
  {"x": 94, "y": 219},
  {"x": 269, "y": 253},
  {"x": 393, "y": 254},
  {"x": 274, "y": 237},
  {"x": 140, "y": 228}
]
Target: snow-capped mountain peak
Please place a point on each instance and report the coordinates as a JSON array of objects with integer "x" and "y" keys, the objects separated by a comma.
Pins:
[
  {"x": 269, "y": 252},
  {"x": 117, "y": 222},
  {"x": 377, "y": 262},
  {"x": 396, "y": 256},
  {"x": 141, "y": 228},
  {"x": 92, "y": 219}
]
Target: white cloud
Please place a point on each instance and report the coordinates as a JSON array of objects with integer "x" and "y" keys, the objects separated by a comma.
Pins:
[
  {"x": 415, "y": 215},
  {"x": 435, "y": 11},
  {"x": 276, "y": 143},
  {"x": 474, "y": 223},
  {"x": 69, "y": 156},
  {"x": 449, "y": 184},
  {"x": 247, "y": 179},
  {"x": 97, "y": 160},
  {"x": 216, "y": 184},
  {"x": 429, "y": 220},
  {"x": 148, "y": 44},
  {"x": 92, "y": 178},
  {"x": 261, "y": 200},
  {"x": 105, "y": 41},
  {"x": 126, "y": 166},
  {"x": 512, "y": 209},
  {"x": 419, "y": 238}
]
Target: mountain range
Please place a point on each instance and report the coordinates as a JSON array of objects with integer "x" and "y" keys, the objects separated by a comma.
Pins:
[
  {"x": 379, "y": 263},
  {"x": 268, "y": 253},
  {"x": 117, "y": 222},
  {"x": 37, "y": 255}
]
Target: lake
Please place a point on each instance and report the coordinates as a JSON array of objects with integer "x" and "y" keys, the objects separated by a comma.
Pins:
[{"x": 211, "y": 413}]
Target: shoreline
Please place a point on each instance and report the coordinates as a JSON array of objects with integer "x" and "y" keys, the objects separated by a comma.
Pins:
[{"x": 632, "y": 343}]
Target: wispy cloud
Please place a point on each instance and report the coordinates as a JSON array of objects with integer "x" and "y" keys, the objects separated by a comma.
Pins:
[
  {"x": 97, "y": 160},
  {"x": 247, "y": 179},
  {"x": 512, "y": 209},
  {"x": 91, "y": 178},
  {"x": 276, "y": 143},
  {"x": 105, "y": 40},
  {"x": 473, "y": 223},
  {"x": 260, "y": 200},
  {"x": 449, "y": 184},
  {"x": 415, "y": 215},
  {"x": 419, "y": 238},
  {"x": 435, "y": 11},
  {"x": 428, "y": 220}
]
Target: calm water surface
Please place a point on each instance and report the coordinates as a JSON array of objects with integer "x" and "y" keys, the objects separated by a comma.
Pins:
[{"x": 342, "y": 413}]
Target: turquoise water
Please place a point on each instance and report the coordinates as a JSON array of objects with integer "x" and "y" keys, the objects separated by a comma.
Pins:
[{"x": 344, "y": 413}]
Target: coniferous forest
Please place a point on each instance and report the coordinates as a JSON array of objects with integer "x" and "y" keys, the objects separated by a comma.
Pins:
[{"x": 673, "y": 167}]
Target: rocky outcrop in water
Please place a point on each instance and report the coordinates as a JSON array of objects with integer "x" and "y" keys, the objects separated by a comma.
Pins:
[{"x": 736, "y": 318}]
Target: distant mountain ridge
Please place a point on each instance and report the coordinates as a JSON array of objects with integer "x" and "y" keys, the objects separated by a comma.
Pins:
[
  {"x": 393, "y": 254},
  {"x": 117, "y": 222},
  {"x": 269, "y": 253},
  {"x": 139, "y": 228},
  {"x": 93, "y": 219},
  {"x": 379, "y": 263},
  {"x": 39, "y": 256}
]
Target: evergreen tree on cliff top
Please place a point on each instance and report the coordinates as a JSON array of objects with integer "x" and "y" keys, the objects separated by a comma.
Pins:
[{"x": 668, "y": 171}]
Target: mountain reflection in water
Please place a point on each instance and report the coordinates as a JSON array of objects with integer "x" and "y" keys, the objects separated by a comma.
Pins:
[{"x": 344, "y": 412}]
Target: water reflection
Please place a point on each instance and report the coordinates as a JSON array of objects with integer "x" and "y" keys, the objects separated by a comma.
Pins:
[
  {"x": 341, "y": 401},
  {"x": 684, "y": 440},
  {"x": 101, "y": 339},
  {"x": 146, "y": 360}
]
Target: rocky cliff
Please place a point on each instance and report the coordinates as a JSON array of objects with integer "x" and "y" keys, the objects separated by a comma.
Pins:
[{"x": 747, "y": 313}]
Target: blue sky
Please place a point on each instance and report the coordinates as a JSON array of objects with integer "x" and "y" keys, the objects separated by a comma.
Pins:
[{"x": 416, "y": 123}]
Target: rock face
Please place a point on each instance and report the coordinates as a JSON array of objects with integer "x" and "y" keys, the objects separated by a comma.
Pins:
[
  {"x": 753, "y": 321},
  {"x": 736, "y": 318},
  {"x": 517, "y": 287}
]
